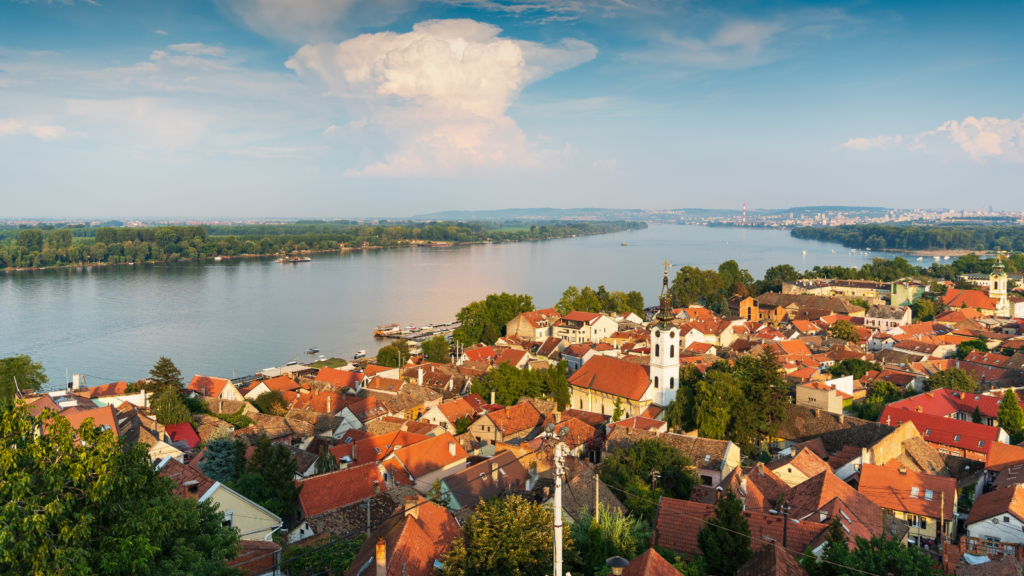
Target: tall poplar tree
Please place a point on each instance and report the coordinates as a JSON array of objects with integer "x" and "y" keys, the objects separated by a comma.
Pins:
[
  {"x": 725, "y": 538},
  {"x": 1010, "y": 416}
]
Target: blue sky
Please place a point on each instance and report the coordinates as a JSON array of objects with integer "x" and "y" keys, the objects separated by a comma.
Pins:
[{"x": 352, "y": 108}]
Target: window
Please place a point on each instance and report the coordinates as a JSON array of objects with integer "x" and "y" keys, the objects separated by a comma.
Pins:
[
  {"x": 657, "y": 350},
  {"x": 928, "y": 494},
  {"x": 229, "y": 519},
  {"x": 956, "y": 438},
  {"x": 672, "y": 383},
  {"x": 927, "y": 432},
  {"x": 581, "y": 403},
  {"x": 672, "y": 351},
  {"x": 655, "y": 381},
  {"x": 981, "y": 443},
  {"x": 914, "y": 492},
  {"x": 1006, "y": 519}
]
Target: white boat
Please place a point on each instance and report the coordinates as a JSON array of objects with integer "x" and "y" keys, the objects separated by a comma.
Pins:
[
  {"x": 427, "y": 327},
  {"x": 919, "y": 258},
  {"x": 936, "y": 257},
  {"x": 945, "y": 257},
  {"x": 360, "y": 354},
  {"x": 217, "y": 259}
]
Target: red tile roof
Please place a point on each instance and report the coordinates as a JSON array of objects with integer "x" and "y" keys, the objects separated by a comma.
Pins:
[
  {"x": 946, "y": 431},
  {"x": 945, "y": 402},
  {"x": 281, "y": 384},
  {"x": 207, "y": 385},
  {"x": 115, "y": 389},
  {"x": 1004, "y": 501},
  {"x": 806, "y": 461},
  {"x": 969, "y": 299},
  {"x": 366, "y": 409},
  {"x": 431, "y": 454},
  {"x": 816, "y": 493},
  {"x": 650, "y": 563},
  {"x": 700, "y": 347},
  {"x": 337, "y": 489},
  {"x": 823, "y": 386},
  {"x": 412, "y": 542},
  {"x": 585, "y": 317},
  {"x": 104, "y": 416},
  {"x": 538, "y": 317},
  {"x": 183, "y": 432},
  {"x": 612, "y": 376},
  {"x": 513, "y": 357},
  {"x": 516, "y": 418},
  {"x": 320, "y": 402},
  {"x": 907, "y": 491},
  {"x": 1003, "y": 456},
  {"x": 372, "y": 369},
  {"x": 484, "y": 354},
  {"x": 376, "y": 448},
  {"x": 792, "y": 347},
  {"x": 993, "y": 359},
  {"x": 458, "y": 408},
  {"x": 189, "y": 482},
  {"x": 679, "y": 521}
]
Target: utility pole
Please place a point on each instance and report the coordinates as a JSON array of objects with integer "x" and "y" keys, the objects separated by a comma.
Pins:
[
  {"x": 654, "y": 478},
  {"x": 785, "y": 524},
  {"x": 558, "y": 508}
]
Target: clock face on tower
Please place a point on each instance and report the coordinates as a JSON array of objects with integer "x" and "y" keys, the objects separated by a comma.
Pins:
[{"x": 657, "y": 333}]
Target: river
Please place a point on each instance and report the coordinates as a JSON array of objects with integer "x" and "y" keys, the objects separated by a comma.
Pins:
[{"x": 240, "y": 315}]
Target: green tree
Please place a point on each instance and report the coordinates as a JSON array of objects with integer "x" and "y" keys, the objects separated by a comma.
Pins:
[
  {"x": 1010, "y": 416},
  {"x": 169, "y": 408},
  {"x": 967, "y": 346},
  {"x": 976, "y": 415},
  {"x": 834, "y": 554},
  {"x": 853, "y": 367},
  {"x": 506, "y": 537},
  {"x": 682, "y": 412},
  {"x": 760, "y": 409},
  {"x": 776, "y": 275},
  {"x": 635, "y": 302},
  {"x": 97, "y": 506},
  {"x": 629, "y": 471},
  {"x": 508, "y": 383},
  {"x": 692, "y": 285},
  {"x": 30, "y": 239},
  {"x": 490, "y": 334},
  {"x": 614, "y": 534},
  {"x": 586, "y": 300},
  {"x": 496, "y": 310},
  {"x": 221, "y": 457},
  {"x": 164, "y": 375},
  {"x": 335, "y": 558},
  {"x": 923, "y": 310},
  {"x": 271, "y": 402},
  {"x": 462, "y": 424},
  {"x": 438, "y": 494},
  {"x": 389, "y": 356},
  {"x": 617, "y": 413},
  {"x": 952, "y": 378},
  {"x": 724, "y": 540},
  {"x": 714, "y": 398},
  {"x": 326, "y": 462},
  {"x": 436, "y": 349},
  {"x": 844, "y": 330},
  {"x": 19, "y": 373},
  {"x": 268, "y": 478},
  {"x": 874, "y": 556}
]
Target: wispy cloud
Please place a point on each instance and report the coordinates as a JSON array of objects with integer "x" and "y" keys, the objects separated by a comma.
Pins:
[
  {"x": 148, "y": 123},
  {"x": 11, "y": 127},
  {"x": 160, "y": 32},
  {"x": 980, "y": 138},
  {"x": 197, "y": 49}
]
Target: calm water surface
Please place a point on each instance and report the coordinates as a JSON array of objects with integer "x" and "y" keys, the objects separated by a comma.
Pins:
[{"x": 243, "y": 314}]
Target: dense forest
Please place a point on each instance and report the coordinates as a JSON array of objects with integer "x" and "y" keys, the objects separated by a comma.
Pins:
[
  {"x": 46, "y": 245},
  {"x": 941, "y": 237}
]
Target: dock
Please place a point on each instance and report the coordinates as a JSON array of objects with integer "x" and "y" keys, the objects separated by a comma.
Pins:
[{"x": 423, "y": 335}]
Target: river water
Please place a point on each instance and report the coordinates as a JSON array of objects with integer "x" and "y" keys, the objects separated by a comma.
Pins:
[{"x": 240, "y": 315}]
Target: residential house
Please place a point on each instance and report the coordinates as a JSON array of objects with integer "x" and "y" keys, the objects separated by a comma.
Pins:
[
  {"x": 373, "y": 448},
  {"x": 533, "y": 326},
  {"x": 824, "y": 497},
  {"x": 551, "y": 348},
  {"x": 328, "y": 492},
  {"x": 887, "y": 317},
  {"x": 358, "y": 412},
  {"x": 485, "y": 480},
  {"x": 953, "y": 404},
  {"x": 482, "y": 354},
  {"x": 515, "y": 358},
  {"x": 446, "y": 414},
  {"x": 585, "y": 491},
  {"x": 253, "y": 521},
  {"x": 214, "y": 388},
  {"x": 512, "y": 425},
  {"x": 948, "y": 435},
  {"x": 797, "y": 469},
  {"x": 821, "y": 396},
  {"x": 650, "y": 563},
  {"x": 432, "y": 459},
  {"x": 923, "y": 501},
  {"x": 576, "y": 355},
  {"x": 412, "y": 542},
  {"x": 578, "y": 327},
  {"x": 998, "y": 516},
  {"x": 769, "y": 303}
]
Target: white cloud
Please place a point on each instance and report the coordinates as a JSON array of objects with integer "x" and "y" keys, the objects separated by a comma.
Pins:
[
  {"x": 197, "y": 49},
  {"x": 304, "y": 21},
  {"x": 441, "y": 92},
  {"x": 148, "y": 123},
  {"x": 980, "y": 138},
  {"x": 160, "y": 32},
  {"x": 11, "y": 127},
  {"x": 880, "y": 142}
]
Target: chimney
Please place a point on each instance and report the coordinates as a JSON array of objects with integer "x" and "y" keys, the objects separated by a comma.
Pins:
[
  {"x": 558, "y": 417},
  {"x": 718, "y": 494},
  {"x": 419, "y": 376},
  {"x": 842, "y": 417},
  {"x": 451, "y": 449},
  {"x": 328, "y": 404},
  {"x": 354, "y": 446},
  {"x": 494, "y": 472},
  {"x": 817, "y": 413},
  {"x": 382, "y": 556},
  {"x": 903, "y": 470},
  {"x": 629, "y": 430},
  {"x": 492, "y": 396},
  {"x": 412, "y": 506},
  {"x": 547, "y": 492}
]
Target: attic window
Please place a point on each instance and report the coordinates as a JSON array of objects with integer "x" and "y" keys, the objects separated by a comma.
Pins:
[
  {"x": 981, "y": 443},
  {"x": 707, "y": 457},
  {"x": 845, "y": 516},
  {"x": 928, "y": 495},
  {"x": 348, "y": 440},
  {"x": 928, "y": 431},
  {"x": 914, "y": 492},
  {"x": 378, "y": 450},
  {"x": 956, "y": 438}
]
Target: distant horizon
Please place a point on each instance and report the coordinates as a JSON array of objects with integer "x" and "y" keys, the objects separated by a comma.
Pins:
[{"x": 429, "y": 216}]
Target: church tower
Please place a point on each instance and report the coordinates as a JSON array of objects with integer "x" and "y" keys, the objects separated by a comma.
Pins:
[
  {"x": 664, "y": 367},
  {"x": 998, "y": 286}
]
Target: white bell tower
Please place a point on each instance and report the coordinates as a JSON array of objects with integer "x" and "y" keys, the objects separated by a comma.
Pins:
[
  {"x": 998, "y": 283},
  {"x": 664, "y": 367}
]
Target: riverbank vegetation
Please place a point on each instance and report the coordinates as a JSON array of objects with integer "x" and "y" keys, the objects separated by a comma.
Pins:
[
  {"x": 936, "y": 237},
  {"x": 48, "y": 246}
]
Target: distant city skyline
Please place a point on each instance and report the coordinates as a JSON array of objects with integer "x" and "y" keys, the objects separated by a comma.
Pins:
[{"x": 268, "y": 109}]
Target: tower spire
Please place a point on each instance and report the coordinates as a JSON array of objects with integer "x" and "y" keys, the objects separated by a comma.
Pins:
[{"x": 665, "y": 314}]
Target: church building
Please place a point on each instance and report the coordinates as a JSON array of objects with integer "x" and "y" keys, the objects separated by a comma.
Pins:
[
  {"x": 640, "y": 389},
  {"x": 993, "y": 302}
]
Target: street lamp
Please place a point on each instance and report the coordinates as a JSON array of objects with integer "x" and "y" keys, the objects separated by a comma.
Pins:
[{"x": 618, "y": 564}]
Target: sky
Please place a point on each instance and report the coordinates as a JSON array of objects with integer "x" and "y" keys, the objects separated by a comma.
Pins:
[{"x": 390, "y": 108}]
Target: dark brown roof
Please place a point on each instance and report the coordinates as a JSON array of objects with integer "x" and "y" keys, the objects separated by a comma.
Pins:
[
  {"x": 579, "y": 495},
  {"x": 802, "y": 424},
  {"x": 703, "y": 452},
  {"x": 772, "y": 560},
  {"x": 1005, "y": 566},
  {"x": 477, "y": 482}
]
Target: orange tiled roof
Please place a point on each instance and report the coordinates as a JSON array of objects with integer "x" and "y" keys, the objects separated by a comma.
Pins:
[
  {"x": 1008, "y": 500},
  {"x": 513, "y": 357},
  {"x": 650, "y": 563},
  {"x": 207, "y": 385},
  {"x": 104, "y": 416},
  {"x": 612, "y": 376},
  {"x": 516, "y": 418},
  {"x": 431, "y": 454},
  {"x": 816, "y": 493},
  {"x": 908, "y": 491},
  {"x": 333, "y": 490},
  {"x": 538, "y": 317},
  {"x": 485, "y": 354},
  {"x": 189, "y": 482},
  {"x": 115, "y": 389},
  {"x": 969, "y": 299},
  {"x": 281, "y": 384},
  {"x": 412, "y": 541}
]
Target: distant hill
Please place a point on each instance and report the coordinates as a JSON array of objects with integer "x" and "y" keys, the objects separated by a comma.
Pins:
[{"x": 626, "y": 214}]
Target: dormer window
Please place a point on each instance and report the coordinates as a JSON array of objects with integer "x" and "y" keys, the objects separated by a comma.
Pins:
[{"x": 914, "y": 492}]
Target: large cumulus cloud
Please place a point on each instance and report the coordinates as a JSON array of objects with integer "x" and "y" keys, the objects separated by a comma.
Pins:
[{"x": 440, "y": 93}]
